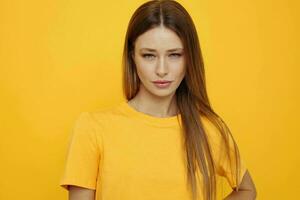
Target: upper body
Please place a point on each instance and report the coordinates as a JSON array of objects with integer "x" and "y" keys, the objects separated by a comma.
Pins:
[
  {"x": 121, "y": 153},
  {"x": 135, "y": 150}
]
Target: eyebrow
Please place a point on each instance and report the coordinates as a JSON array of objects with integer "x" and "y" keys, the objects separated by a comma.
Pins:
[{"x": 170, "y": 50}]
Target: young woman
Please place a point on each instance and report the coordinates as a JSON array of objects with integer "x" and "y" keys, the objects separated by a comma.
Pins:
[{"x": 164, "y": 141}]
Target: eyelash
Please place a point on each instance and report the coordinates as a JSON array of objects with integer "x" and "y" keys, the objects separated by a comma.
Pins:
[{"x": 146, "y": 55}]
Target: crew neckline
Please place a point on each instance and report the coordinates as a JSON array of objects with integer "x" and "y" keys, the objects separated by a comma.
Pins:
[{"x": 157, "y": 121}]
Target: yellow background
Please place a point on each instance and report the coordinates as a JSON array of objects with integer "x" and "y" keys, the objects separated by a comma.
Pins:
[{"x": 61, "y": 57}]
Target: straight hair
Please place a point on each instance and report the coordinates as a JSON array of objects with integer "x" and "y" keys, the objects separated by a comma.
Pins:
[{"x": 191, "y": 94}]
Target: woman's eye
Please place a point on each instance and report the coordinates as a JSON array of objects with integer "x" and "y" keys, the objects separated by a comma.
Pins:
[
  {"x": 147, "y": 55},
  {"x": 176, "y": 54},
  {"x": 151, "y": 55}
]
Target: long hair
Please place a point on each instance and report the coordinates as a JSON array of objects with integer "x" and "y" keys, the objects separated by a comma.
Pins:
[{"x": 191, "y": 95}]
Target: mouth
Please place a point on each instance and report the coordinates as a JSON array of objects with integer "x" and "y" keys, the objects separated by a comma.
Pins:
[
  {"x": 161, "y": 81},
  {"x": 162, "y": 84}
]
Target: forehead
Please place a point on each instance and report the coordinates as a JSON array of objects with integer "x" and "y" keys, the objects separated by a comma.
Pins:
[{"x": 159, "y": 38}]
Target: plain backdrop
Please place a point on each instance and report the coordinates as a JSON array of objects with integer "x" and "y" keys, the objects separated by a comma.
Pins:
[{"x": 61, "y": 57}]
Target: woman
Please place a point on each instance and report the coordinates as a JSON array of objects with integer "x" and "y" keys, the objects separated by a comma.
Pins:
[{"x": 165, "y": 141}]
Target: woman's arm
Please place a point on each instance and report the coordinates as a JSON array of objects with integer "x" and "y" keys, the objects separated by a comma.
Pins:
[
  {"x": 247, "y": 190},
  {"x": 80, "y": 193}
]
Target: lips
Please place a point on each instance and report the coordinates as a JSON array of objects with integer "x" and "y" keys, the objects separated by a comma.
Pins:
[{"x": 161, "y": 82}]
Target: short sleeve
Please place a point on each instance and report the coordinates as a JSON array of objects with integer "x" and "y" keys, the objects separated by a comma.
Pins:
[
  {"x": 83, "y": 155},
  {"x": 224, "y": 166},
  {"x": 227, "y": 167}
]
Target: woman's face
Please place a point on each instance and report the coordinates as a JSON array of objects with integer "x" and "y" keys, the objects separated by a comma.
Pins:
[{"x": 159, "y": 55}]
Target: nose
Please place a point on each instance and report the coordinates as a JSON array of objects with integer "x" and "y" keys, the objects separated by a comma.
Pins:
[{"x": 161, "y": 69}]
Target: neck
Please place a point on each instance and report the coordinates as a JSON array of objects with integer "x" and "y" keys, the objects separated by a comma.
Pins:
[{"x": 153, "y": 105}]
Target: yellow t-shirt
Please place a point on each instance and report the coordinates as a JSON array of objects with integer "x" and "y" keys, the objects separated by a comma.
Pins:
[{"x": 126, "y": 154}]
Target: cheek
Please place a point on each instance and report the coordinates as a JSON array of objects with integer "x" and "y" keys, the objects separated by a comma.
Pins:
[
  {"x": 179, "y": 70},
  {"x": 144, "y": 70}
]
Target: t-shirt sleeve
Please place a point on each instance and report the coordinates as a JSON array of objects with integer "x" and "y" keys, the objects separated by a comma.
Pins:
[
  {"x": 224, "y": 166},
  {"x": 227, "y": 167},
  {"x": 83, "y": 155}
]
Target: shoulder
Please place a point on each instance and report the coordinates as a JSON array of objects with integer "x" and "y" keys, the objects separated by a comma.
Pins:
[
  {"x": 91, "y": 125},
  {"x": 213, "y": 133},
  {"x": 220, "y": 138},
  {"x": 106, "y": 115}
]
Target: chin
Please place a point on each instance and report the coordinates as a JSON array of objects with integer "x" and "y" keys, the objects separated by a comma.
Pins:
[
  {"x": 158, "y": 91},
  {"x": 161, "y": 92}
]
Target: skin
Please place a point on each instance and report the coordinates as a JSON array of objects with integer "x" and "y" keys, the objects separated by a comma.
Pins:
[
  {"x": 247, "y": 190},
  {"x": 80, "y": 193},
  {"x": 161, "y": 64}
]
